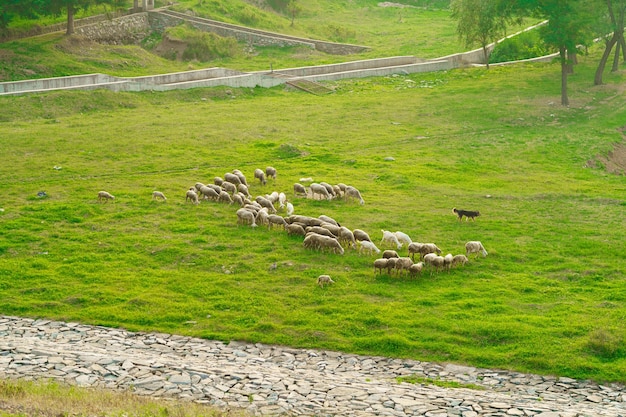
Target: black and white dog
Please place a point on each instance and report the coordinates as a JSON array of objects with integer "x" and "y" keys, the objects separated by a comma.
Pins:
[{"x": 469, "y": 214}]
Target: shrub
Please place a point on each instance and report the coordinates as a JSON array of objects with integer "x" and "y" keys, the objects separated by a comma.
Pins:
[
  {"x": 523, "y": 46},
  {"x": 604, "y": 343},
  {"x": 203, "y": 46}
]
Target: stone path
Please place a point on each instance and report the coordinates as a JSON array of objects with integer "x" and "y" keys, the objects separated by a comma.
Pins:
[{"x": 275, "y": 380}]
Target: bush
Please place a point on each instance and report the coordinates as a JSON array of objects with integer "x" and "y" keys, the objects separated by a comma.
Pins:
[
  {"x": 203, "y": 46},
  {"x": 523, "y": 46},
  {"x": 604, "y": 343}
]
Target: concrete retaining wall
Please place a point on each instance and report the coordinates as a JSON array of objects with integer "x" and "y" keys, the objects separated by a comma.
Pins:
[
  {"x": 124, "y": 30},
  {"x": 56, "y": 83}
]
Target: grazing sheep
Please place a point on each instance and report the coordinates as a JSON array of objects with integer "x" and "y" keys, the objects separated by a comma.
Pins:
[
  {"x": 427, "y": 248},
  {"x": 312, "y": 241},
  {"x": 403, "y": 237},
  {"x": 323, "y": 280},
  {"x": 225, "y": 198},
  {"x": 320, "y": 231},
  {"x": 332, "y": 228},
  {"x": 367, "y": 246},
  {"x": 191, "y": 196},
  {"x": 264, "y": 202},
  {"x": 295, "y": 229},
  {"x": 342, "y": 187},
  {"x": 416, "y": 269},
  {"x": 216, "y": 188},
  {"x": 438, "y": 263},
  {"x": 319, "y": 189},
  {"x": 475, "y": 247},
  {"x": 360, "y": 235},
  {"x": 282, "y": 200},
  {"x": 379, "y": 264},
  {"x": 414, "y": 247},
  {"x": 276, "y": 219},
  {"x": 337, "y": 190},
  {"x": 299, "y": 189},
  {"x": 403, "y": 264},
  {"x": 352, "y": 192},
  {"x": 238, "y": 199},
  {"x": 391, "y": 265},
  {"x": 260, "y": 175},
  {"x": 390, "y": 238},
  {"x": 447, "y": 261},
  {"x": 229, "y": 187},
  {"x": 347, "y": 237},
  {"x": 103, "y": 195},
  {"x": 270, "y": 172},
  {"x": 459, "y": 259},
  {"x": 242, "y": 188},
  {"x": 329, "y": 188},
  {"x": 246, "y": 217},
  {"x": 328, "y": 219},
  {"x": 390, "y": 254},
  {"x": 273, "y": 197},
  {"x": 429, "y": 257},
  {"x": 332, "y": 244},
  {"x": 262, "y": 217},
  {"x": 232, "y": 178},
  {"x": 158, "y": 195},
  {"x": 289, "y": 208},
  {"x": 198, "y": 186},
  {"x": 209, "y": 193},
  {"x": 218, "y": 181},
  {"x": 242, "y": 177}
]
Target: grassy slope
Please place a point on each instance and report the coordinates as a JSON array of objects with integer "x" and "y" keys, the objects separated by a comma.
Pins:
[{"x": 549, "y": 297}]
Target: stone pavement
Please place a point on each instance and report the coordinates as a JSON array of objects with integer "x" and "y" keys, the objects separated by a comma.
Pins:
[{"x": 276, "y": 380}]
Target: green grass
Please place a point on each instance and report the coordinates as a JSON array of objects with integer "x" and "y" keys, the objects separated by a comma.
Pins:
[
  {"x": 549, "y": 298},
  {"x": 413, "y": 379}
]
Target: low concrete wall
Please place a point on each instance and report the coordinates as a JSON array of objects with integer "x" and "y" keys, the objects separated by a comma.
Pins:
[
  {"x": 55, "y": 83},
  {"x": 348, "y": 66},
  {"x": 182, "y": 77},
  {"x": 430, "y": 66}
]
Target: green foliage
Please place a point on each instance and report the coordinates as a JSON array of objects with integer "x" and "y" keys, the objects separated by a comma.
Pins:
[
  {"x": 606, "y": 344},
  {"x": 203, "y": 46},
  {"x": 523, "y": 46}
]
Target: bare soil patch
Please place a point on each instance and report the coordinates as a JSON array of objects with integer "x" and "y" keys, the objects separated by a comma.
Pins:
[{"x": 615, "y": 160}]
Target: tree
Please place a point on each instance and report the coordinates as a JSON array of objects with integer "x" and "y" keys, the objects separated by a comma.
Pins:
[
  {"x": 479, "y": 22},
  {"x": 9, "y": 9},
  {"x": 615, "y": 12},
  {"x": 294, "y": 9}
]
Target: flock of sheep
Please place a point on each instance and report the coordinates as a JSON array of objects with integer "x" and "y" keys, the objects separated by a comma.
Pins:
[{"x": 320, "y": 233}]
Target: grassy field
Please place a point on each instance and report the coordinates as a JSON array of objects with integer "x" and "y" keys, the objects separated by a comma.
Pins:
[{"x": 549, "y": 298}]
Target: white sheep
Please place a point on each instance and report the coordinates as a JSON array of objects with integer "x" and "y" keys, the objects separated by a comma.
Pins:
[
  {"x": 198, "y": 186},
  {"x": 276, "y": 219},
  {"x": 475, "y": 247},
  {"x": 416, "y": 269},
  {"x": 447, "y": 261},
  {"x": 242, "y": 188},
  {"x": 289, "y": 208},
  {"x": 403, "y": 264},
  {"x": 242, "y": 177},
  {"x": 403, "y": 237},
  {"x": 299, "y": 189},
  {"x": 323, "y": 280},
  {"x": 224, "y": 197},
  {"x": 232, "y": 178},
  {"x": 209, "y": 193},
  {"x": 260, "y": 175},
  {"x": 379, "y": 264},
  {"x": 367, "y": 246},
  {"x": 390, "y": 238},
  {"x": 459, "y": 260},
  {"x": 229, "y": 187},
  {"x": 414, "y": 247},
  {"x": 351, "y": 192},
  {"x": 270, "y": 172},
  {"x": 103, "y": 195},
  {"x": 329, "y": 188},
  {"x": 158, "y": 195},
  {"x": 262, "y": 217},
  {"x": 192, "y": 196},
  {"x": 246, "y": 217},
  {"x": 282, "y": 200},
  {"x": 319, "y": 189},
  {"x": 427, "y": 248}
]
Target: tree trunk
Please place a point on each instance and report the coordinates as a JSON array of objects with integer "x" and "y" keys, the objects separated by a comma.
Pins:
[
  {"x": 486, "y": 55},
  {"x": 564, "y": 71},
  {"x": 70, "y": 20},
  {"x": 135, "y": 6},
  {"x": 615, "y": 66},
  {"x": 605, "y": 56}
]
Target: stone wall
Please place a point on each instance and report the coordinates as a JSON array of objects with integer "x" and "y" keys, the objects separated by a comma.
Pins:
[{"x": 124, "y": 30}]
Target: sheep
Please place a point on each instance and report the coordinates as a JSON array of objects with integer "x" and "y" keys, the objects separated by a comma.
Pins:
[
  {"x": 403, "y": 237},
  {"x": 158, "y": 195},
  {"x": 342, "y": 187},
  {"x": 238, "y": 199},
  {"x": 332, "y": 228},
  {"x": 264, "y": 202},
  {"x": 391, "y": 265},
  {"x": 209, "y": 193},
  {"x": 262, "y": 217},
  {"x": 361, "y": 235},
  {"x": 232, "y": 178},
  {"x": 447, "y": 261},
  {"x": 403, "y": 264},
  {"x": 216, "y": 188},
  {"x": 242, "y": 177},
  {"x": 429, "y": 257},
  {"x": 390, "y": 239},
  {"x": 218, "y": 181},
  {"x": 337, "y": 190},
  {"x": 379, "y": 264},
  {"x": 289, "y": 208},
  {"x": 347, "y": 237},
  {"x": 299, "y": 189},
  {"x": 229, "y": 187},
  {"x": 224, "y": 197},
  {"x": 307, "y": 220},
  {"x": 192, "y": 196},
  {"x": 352, "y": 192},
  {"x": 475, "y": 247},
  {"x": 198, "y": 186},
  {"x": 390, "y": 254},
  {"x": 332, "y": 244},
  {"x": 260, "y": 175},
  {"x": 282, "y": 200},
  {"x": 416, "y": 269},
  {"x": 329, "y": 188},
  {"x": 324, "y": 279},
  {"x": 246, "y": 217},
  {"x": 295, "y": 229},
  {"x": 270, "y": 172},
  {"x": 242, "y": 188},
  {"x": 427, "y": 248},
  {"x": 367, "y": 246},
  {"x": 320, "y": 231},
  {"x": 438, "y": 262},
  {"x": 312, "y": 241},
  {"x": 273, "y": 197},
  {"x": 414, "y": 247},
  {"x": 328, "y": 219},
  {"x": 103, "y": 195},
  {"x": 459, "y": 259},
  {"x": 276, "y": 219},
  {"x": 319, "y": 189}
]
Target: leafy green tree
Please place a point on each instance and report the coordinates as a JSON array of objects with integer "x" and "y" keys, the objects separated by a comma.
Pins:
[
  {"x": 294, "y": 9},
  {"x": 479, "y": 22},
  {"x": 9, "y": 9},
  {"x": 615, "y": 28}
]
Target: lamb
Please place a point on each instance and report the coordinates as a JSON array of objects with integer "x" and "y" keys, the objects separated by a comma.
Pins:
[
  {"x": 319, "y": 189},
  {"x": 229, "y": 187},
  {"x": 352, "y": 192},
  {"x": 475, "y": 247},
  {"x": 273, "y": 197},
  {"x": 360, "y": 235},
  {"x": 260, "y": 175},
  {"x": 414, "y": 247},
  {"x": 379, "y": 264},
  {"x": 270, "y": 172},
  {"x": 299, "y": 189},
  {"x": 192, "y": 196},
  {"x": 416, "y": 269},
  {"x": 367, "y": 246},
  {"x": 390, "y": 254},
  {"x": 324, "y": 279},
  {"x": 459, "y": 259},
  {"x": 232, "y": 178},
  {"x": 403, "y": 237},
  {"x": 103, "y": 195},
  {"x": 158, "y": 195},
  {"x": 246, "y": 217},
  {"x": 390, "y": 239},
  {"x": 276, "y": 219},
  {"x": 427, "y": 248}
]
